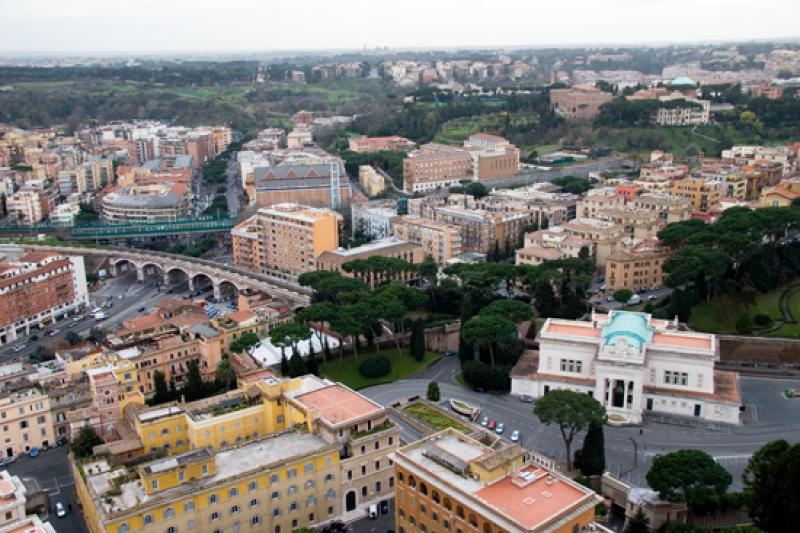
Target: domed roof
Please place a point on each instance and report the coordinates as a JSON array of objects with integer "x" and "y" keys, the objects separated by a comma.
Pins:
[
  {"x": 683, "y": 80},
  {"x": 626, "y": 328}
]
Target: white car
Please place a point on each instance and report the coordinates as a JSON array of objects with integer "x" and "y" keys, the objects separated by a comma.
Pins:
[
  {"x": 500, "y": 428},
  {"x": 60, "y": 511},
  {"x": 19, "y": 347},
  {"x": 515, "y": 436},
  {"x": 485, "y": 421},
  {"x": 78, "y": 318}
]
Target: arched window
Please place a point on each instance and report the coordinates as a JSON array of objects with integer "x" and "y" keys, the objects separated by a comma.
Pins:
[
  {"x": 435, "y": 496},
  {"x": 423, "y": 488},
  {"x": 148, "y": 519},
  {"x": 233, "y": 492},
  {"x": 412, "y": 482},
  {"x": 172, "y": 529},
  {"x": 123, "y": 528},
  {"x": 169, "y": 513},
  {"x": 400, "y": 477},
  {"x": 473, "y": 520},
  {"x": 460, "y": 511},
  {"x": 487, "y": 528},
  {"x": 447, "y": 504}
]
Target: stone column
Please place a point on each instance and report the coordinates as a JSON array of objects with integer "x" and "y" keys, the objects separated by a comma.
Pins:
[
  {"x": 139, "y": 274},
  {"x": 217, "y": 291}
]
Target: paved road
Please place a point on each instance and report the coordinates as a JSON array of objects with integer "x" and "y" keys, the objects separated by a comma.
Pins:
[
  {"x": 50, "y": 469},
  {"x": 731, "y": 446}
]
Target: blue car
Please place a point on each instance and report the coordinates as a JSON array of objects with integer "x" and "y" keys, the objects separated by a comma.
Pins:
[{"x": 34, "y": 452}]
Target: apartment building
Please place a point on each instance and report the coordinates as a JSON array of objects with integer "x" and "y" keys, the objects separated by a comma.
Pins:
[
  {"x": 543, "y": 202},
  {"x": 26, "y": 421},
  {"x": 449, "y": 481},
  {"x": 635, "y": 267},
  {"x": 667, "y": 208},
  {"x": 481, "y": 231},
  {"x": 392, "y": 143},
  {"x": 333, "y": 260},
  {"x": 748, "y": 155},
  {"x": 581, "y": 102},
  {"x": 165, "y": 341},
  {"x": 164, "y": 202},
  {"x": 373, "y": 219},
  {"x": 605, "y": 358},
  {"x": 37, "y": 288},
  {"x": 658, "y": 176},
  {"x": 24, "y": 208},
  {"x": 434, "y": 166},
  {"x": 605, "y": 236},
  {"x": 276, "y": 455},
  {"x": 437, "y": 239},
  {"x": 286, "y": 239},
  {"x": 759, "y": 175},
  {"x": 370, "y": 180},
  {"x": 492, "y": 156},
  {"x": 548, "y": 245},
  {"x": 676, "y": 109},
  {"x": 704, "y": 195}
]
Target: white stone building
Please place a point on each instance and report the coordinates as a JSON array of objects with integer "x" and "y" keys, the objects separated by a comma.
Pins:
[{"x": 633, "y": 364}]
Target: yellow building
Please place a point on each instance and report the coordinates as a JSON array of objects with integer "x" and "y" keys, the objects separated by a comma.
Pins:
[
  {"x": 703, "y": 194},
  {"x": 26, "y": 421},
  {"x": 303, "y": 449},
  {"x": 451, "y": 482},
  {"x": 637, "y": 267},
  {"x": 285, "y": 239},
  {"x": 781, "y": 195}
]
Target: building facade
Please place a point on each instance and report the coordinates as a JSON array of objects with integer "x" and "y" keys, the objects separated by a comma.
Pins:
[
  {"x": 640, "y": 266},
  {"x": 286, "y": 239},
  {"x": 36, "y": 289},
  {"x": 26, "y": 421},
  {"x": 333, "y": 260},
  {"x": 633, "y": 364},
  {"x": 439, "y": 240},
  {"x": 579, "y": 102}
]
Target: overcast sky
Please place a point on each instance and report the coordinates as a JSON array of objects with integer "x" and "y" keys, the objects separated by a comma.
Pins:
[{"x": 263, "y": 25}]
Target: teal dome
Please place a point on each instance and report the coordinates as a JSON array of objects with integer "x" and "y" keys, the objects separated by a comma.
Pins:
[
  {"x": 683, "y": 80},
  {"x": 632, "y": 328}
]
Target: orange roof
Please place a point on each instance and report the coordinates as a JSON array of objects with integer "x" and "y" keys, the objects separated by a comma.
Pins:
[
  {"x": 240, "y": 316},
  {"x": 36, "y": 257},
  {"x": 338, "y": 404},
  {"x": 535, "y": 503},
  {"x": 573, "y": 329},
  {"x": 683, "y": 340},
  {"x": 144, "y": 321}
]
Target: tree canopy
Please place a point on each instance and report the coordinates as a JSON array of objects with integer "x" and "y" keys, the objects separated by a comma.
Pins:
[
  {"x": 571, "y": 411},
  {"x": 770, "y": 484},
  {"x": 690, "y": 476}
]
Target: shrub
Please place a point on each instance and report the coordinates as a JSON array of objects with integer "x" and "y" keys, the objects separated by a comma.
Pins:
[
  {"x": 375, "y": 367},
  {"x": 433, "y": 391},
  {"x": 744, "y": 325},
  {"x": 762, "y": 320}
]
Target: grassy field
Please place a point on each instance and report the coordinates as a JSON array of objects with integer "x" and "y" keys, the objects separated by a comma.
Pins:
[
  {"x": 721, "y": 314},
  {"x": 43, "y": 85},
  {"x": 403, "y": 365},
  {"x": 434, "y": 418},
  {"x": 456, "y": 130}
]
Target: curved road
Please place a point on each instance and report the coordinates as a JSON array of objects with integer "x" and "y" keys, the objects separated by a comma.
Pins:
[{"x": 731, "y": 446}]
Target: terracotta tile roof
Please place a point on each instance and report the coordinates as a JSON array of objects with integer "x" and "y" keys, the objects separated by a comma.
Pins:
[{"x": 338, "y": 404}]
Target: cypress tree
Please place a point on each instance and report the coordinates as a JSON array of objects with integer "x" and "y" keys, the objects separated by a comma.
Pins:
[
  {"x": 418, "y": 341},
  {"x": 593, "y": 453}
]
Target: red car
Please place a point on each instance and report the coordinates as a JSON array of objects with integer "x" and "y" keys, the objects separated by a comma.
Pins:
[{"x": 492, "y": 424}]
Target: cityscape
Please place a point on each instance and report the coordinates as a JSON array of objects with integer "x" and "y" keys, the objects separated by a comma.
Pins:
[{"x": 334, "y": 279}]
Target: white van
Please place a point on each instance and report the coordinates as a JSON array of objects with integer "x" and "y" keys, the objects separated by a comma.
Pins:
[
  {"x": 635, "y": 299},
  {"x": 373, "y": 511}
]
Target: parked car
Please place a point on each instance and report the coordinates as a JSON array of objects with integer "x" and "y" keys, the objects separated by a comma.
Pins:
[
  {"x": 8, "y": 460},
  {"x": 500, "y": 428},
  {"x": 373, "y": 511},
  {"x": 34, "y": 338},
  {"x": 34, "y": 452},
  {"x": 19, "y": 347},
  {"x": 526, "y": 399},
  {"x": 651, "y": 297},
  {"x": 60, "y": 511},
  {"x": 485, "y": 421},
  {"x": 492, "y": 424},
  {"x": 77, "y": 318},
  {"x": 62, "y": 441},
  {"x": 384, "y": 506},
  {"x": 635, "y": 299},
  {"x": 515, "y": 436},
  {"x": 610, "y": 298},
  {"x": 478, "y": 390},
  {"x": 140, "y": 310},
  {"x": 451, "y": 353}
]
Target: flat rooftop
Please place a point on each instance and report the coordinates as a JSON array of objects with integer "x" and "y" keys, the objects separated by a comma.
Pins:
[
  {"x": 533, "y": 496},
  {"x": 338, "y": 404},
  {"x": 232, "y": 462}
]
